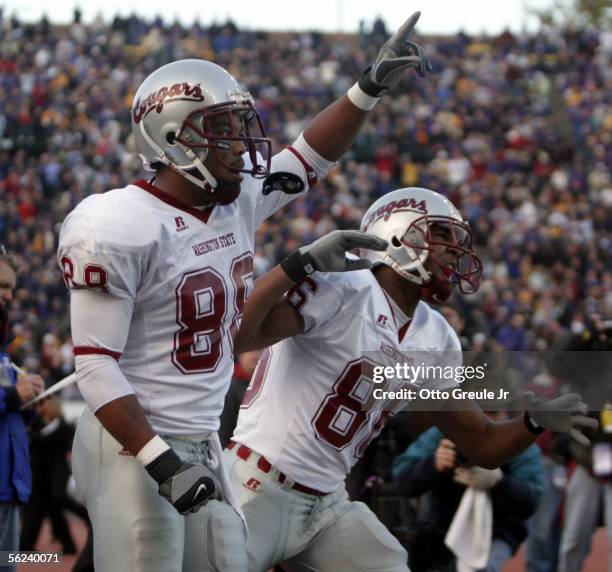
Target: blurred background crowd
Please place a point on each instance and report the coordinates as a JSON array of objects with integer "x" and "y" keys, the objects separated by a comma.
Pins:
[{"x": 516, "y": 130}]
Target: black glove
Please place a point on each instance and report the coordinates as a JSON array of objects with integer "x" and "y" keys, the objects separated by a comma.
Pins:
[
  {"x": 185, "y": 485},
  {"x": 328, "y": 254},
  {"x": 396, "y": 56}
]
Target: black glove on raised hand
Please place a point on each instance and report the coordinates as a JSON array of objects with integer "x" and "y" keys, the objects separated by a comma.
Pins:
[
  {"x": 328, "y": 254},
  {"x": 185, "y": 485},
  {"x": 396, "y": 56},
  {"x": 565, "y": 414}
]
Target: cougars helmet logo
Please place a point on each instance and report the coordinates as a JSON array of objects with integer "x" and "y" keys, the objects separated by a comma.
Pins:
[
  {"x": 386, "y": 210},
  {"x": 167, "y": 94}
]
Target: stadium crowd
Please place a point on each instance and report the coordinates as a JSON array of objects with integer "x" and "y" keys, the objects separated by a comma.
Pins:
[{"x": 515, "y": 129}]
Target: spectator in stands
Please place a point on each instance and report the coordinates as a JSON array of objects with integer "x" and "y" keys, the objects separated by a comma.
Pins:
[
  {"x": 455, "y": 317},
  {"x": 51, "y": 443},
  {"x": 590, "y": 481},
  {"x": 589, "y": 490},
  {"x": 15, "y": 475},
  {"x": 432, "y": 464},
  {"x": 545, "y": 525}
]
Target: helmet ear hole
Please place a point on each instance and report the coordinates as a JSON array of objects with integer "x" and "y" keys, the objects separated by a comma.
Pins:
[
  {"x": 395, "y": 241},
  {"x": 171, "y": 137}
]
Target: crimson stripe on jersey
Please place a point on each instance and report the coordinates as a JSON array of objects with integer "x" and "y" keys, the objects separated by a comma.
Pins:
[
  {"x": 202, "y": 215},
  {"x": 311, "y": 174},
  {"x": 402, "y": 331},
  {"x": 85, "y": 351}
]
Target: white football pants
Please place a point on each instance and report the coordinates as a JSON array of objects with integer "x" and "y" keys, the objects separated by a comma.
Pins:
[
  {"x": 304, "y": 532},
  {"x": 135, "y": 529}
]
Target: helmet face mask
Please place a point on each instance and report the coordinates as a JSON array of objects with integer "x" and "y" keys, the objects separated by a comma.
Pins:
[
  {"x": 447, "y": 235},
  {"x": 176, "y": 118},
  {"x": 215, "y": 127},
  {"x": 429, "y": 243}
]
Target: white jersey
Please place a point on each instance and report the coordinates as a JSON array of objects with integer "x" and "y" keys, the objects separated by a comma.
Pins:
[
  {"x": 309, "y": 409},
  {"x": 183, "y": 276}
]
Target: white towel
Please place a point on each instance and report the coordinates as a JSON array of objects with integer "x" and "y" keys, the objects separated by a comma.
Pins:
[{"x": 469, "y": 535}]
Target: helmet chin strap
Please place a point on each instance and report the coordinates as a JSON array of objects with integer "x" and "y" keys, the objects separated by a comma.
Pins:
[
  {"x": 423, "y": 277},
  {"x": 202, "y": 184},
  {"x": 406, "y": 261},
  {"x": 433, "y": 290},
  {"x": 209, "y": 184}
]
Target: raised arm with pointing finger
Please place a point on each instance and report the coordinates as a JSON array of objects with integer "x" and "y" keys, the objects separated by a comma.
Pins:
[{"x": 332, "y": 132}]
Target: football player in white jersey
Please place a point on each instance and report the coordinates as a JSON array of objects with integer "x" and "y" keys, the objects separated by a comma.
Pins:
[
  {"x": 312, "y": 408},
  {"x": 159, "y": 272}
]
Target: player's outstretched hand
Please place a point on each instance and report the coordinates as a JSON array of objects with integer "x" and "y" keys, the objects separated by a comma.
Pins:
[
  {"x": 396, "y": 57},
  {"x": 328, "y": 254},
  {"x": 565, "y": 414},
  {"x": 185, "y": 485}
]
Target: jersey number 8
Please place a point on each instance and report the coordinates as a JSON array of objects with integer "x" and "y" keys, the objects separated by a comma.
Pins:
[
  {"x": 349, "y": 406},
  {"x": 201, "y": 308}
]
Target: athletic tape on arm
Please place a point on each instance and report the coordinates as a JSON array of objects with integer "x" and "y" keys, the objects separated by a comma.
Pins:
[
  {"x": 100, "y": 324},
  {"x": 321, "y": 165}
]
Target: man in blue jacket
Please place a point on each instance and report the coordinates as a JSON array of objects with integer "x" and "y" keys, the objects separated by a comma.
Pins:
[
  {"x": 15, "y": 475},
  {"x": 433, "y": 464}
]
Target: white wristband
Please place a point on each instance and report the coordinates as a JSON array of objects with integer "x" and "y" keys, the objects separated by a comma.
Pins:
[
  {"x": 153, "y": 449},
  {"x": 361, "y": 99}
]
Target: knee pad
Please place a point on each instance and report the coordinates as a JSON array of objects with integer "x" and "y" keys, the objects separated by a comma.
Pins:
[
  {"x": 156, "y": 545},
  {"x": 147, "y": 544},
  {"x": 225, "y": 538},
  {"x": 366, "y": 543}
]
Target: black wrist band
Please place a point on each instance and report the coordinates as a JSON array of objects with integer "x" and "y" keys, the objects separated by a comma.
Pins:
[
  {"x": 368, "y": 86},
  {"x": 297, "y": 266},
  {"x": 163, "y": 466},
  {"x": 531, "y": 425}
]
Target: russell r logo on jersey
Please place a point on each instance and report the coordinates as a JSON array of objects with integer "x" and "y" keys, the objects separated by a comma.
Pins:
[
  {"x": 252, "y": 484},
  {"x": 180, "y": 224}
]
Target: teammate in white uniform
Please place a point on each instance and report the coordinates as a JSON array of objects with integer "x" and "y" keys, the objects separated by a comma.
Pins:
[
  {"x": 311, "y": 408},
  {"x": 159, "y": 272}
]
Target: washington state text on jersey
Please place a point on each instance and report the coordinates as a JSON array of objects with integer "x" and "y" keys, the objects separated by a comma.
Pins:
[{"x": 213, "y": 244}]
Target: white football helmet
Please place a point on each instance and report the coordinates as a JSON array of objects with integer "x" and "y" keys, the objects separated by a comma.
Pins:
[
  {"x": 171, "y": 120},
  {"x": 405, "y": 219}
]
